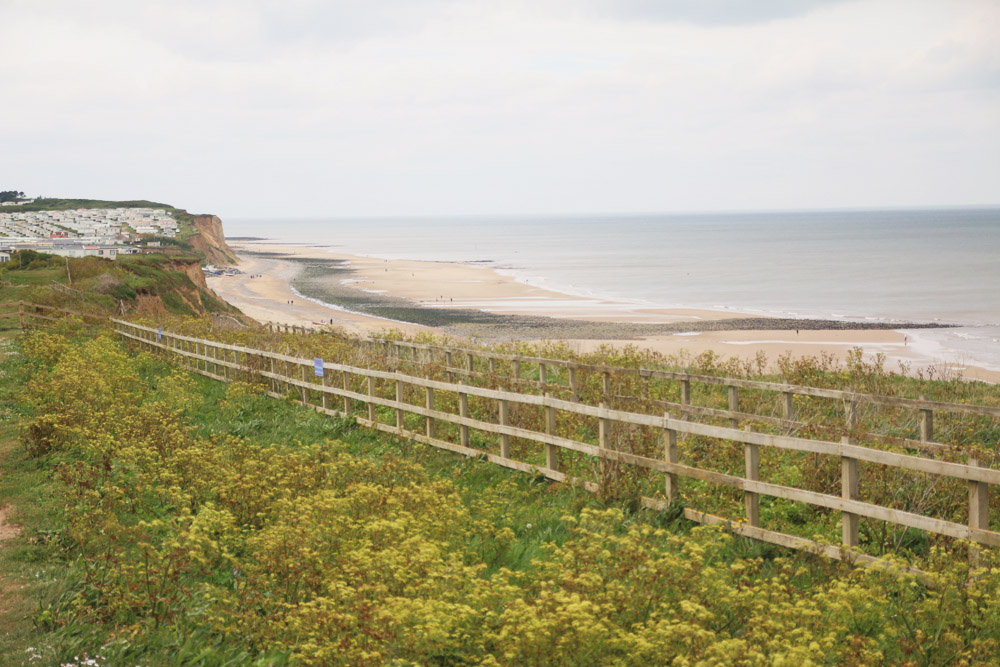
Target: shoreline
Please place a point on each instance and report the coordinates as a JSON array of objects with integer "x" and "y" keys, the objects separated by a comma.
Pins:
[{"x": 312, "y": 286}]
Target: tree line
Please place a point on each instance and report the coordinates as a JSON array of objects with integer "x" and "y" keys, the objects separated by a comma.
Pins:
[{"x": 10, "y": 195}]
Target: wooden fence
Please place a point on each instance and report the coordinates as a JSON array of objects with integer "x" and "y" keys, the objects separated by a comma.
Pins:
[
  {"x": 25, "y": 314},
  {"x": 472, "y": 362},
  {"x": 412, "y": 409}
]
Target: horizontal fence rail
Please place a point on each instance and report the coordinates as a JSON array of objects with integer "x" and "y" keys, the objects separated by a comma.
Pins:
[
  {"x": 463, "y": 362},
  {"x": 25, "y": 314},
  {"x": 358, "y": 393}
]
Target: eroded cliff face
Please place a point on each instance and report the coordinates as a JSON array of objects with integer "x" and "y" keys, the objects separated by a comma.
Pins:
[
  {"x": 211, "y": 241},
  {"x": 182, "y": 298},
  {"x": 192, "y": 270}
]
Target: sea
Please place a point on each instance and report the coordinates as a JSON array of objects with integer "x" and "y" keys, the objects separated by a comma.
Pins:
[{"x": 892, "y": 265}]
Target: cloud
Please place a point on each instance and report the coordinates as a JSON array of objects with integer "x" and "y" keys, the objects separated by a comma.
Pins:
[
  {"x": 431, "y": 107},
  {"x": 711, "y": 12}
]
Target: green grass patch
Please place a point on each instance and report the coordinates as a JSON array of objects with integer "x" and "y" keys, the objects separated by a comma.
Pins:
[{"x": 182, "y": 521}]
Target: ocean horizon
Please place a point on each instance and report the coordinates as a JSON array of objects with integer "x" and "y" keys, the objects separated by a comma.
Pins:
[{"x": 893, "y": 265}]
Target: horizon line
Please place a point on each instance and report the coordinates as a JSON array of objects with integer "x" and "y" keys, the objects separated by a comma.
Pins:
[{"x": 746, "y": 211}]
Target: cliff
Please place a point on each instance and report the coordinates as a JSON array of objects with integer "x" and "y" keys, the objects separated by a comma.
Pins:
[
  {"x": 153, "y": 284},
  {"x": 210, "y": 240}
]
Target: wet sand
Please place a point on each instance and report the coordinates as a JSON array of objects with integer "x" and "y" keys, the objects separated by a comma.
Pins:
[{"x": 476, "y": 302}]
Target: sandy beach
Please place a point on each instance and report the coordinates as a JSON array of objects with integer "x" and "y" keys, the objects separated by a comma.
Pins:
[{"x": 478, "y": 302}]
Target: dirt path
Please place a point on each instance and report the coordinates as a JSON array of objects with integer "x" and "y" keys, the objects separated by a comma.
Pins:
[
  {"x": 15, "y": 607},
  {"x": 7, "y": 530},
  {"x": 12, "y": 602}
]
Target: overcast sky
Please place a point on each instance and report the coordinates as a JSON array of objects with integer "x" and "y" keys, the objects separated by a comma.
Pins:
[{"x": 431, "y": 107}]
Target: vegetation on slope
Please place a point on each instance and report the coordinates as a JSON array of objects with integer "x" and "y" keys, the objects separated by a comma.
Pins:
[
  {"x": 878, "y": 426},
  {"x": 145, "y": 283},
  {"x": 189, "y": 522}
]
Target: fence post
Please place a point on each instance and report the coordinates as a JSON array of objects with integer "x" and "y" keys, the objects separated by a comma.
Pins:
[
  {"x": 734, "y": 405},
  {"x": 670, "y": 453},
  {"x": 371, "y": 395},
  {"x": 849, "y": 491},
  {"x": 516, "y": 370},
  {"x": 429, "y": 421},
  {"x": 447, "y": 362},
  {"x": 788, "y": 405},
  {"x": 493, "y": 365},
  {"x": 751, "y": 455},
  {"x": 602, "y": 441},
  {"x": 463, "y": 411},
  {"x": 305, "y": 392},
  {"x": 345, "y": 380},
  {"x": 851, "y": 414},
  {"x": 471, "y": 362},
  {"x": 606, "y": 388},
  {"x": 685, "y": 395},
  {"x": 399, "y": 399},
  {"x": 926, "y": 424},
  {"x": 572, "y": 384},
  {"x": 551, "y": 451},
  {"x": 326, "y": 383},
  {"x": 504, "y": 421},
  {"x": 543, "y": 376},
  {"x": 979, "y": 508}
]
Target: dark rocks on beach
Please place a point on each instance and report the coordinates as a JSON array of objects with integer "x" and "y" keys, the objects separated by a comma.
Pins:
[
  {"x": 522, "y": 327},
  {"x": 321, "y": 279}
]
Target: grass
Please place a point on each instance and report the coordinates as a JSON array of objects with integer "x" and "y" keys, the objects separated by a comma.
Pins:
[
  {"x": 100, "y": 284},
  {"x": 544, "y": 570},
  {"x": 535, "y": 501},
  {"x": 822, "y": 420},
  {"x": 30, "y": 564},
  {"x": 42, "y": 560}
]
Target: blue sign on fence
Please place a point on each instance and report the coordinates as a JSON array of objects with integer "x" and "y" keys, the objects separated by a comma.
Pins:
[
  {"x": 159, "y": 333},
  {"x": 319, "y": 366}
]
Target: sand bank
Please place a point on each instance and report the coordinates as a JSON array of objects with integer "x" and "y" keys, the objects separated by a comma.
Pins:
[
  {"x": 477, "y": 301},
  {"x": 268, "y": 297}
]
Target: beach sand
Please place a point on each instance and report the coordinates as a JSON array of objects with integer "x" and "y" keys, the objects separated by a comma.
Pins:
[{"x": 444, "y": 288}]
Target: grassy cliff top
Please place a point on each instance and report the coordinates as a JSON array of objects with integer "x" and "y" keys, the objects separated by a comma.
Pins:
[
  {"x": 53, "y": 204},
  {"x": 148, "y": 283}
]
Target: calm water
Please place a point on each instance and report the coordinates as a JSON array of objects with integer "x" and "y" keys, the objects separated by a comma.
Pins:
[{"x": 916, "y": 265}]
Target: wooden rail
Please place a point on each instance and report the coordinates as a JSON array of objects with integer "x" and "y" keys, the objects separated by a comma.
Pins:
[
  {"x": 342, "y": 388},
  {"x": 731, "y": 383},
  {"x": 852, "y": 401},
  {"x": 29, "y": 314}
]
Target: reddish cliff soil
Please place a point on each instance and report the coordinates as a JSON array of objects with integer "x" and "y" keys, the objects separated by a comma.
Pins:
[{"x": 211, "y": 241}]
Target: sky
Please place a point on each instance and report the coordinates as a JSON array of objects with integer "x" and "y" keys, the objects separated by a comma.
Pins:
[{"x": 302, "y": 108}]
